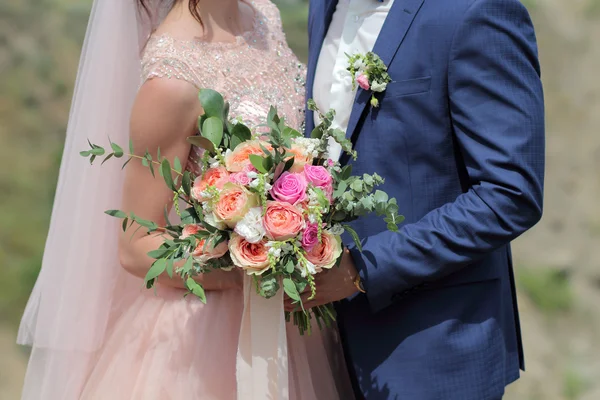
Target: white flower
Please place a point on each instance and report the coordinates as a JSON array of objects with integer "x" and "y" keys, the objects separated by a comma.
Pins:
[
  {"x": 251, "y": 227},
  {"x": 312, "y": 218},
  {"x": 254, "y": 184},
  {"x": 275, "y": 252},
  {"x": 311, "y": 267},
  {"x": 252, "y": 175},
  {"x": 359, "y": 64},
  {"x": 337, "y": 230},
  {"x": 377, "y": 86}
]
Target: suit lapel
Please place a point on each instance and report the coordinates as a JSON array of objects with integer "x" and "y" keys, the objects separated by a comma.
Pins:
[
  {"x": 320, "y": 18},
  {"x": 395, "y": 27}
]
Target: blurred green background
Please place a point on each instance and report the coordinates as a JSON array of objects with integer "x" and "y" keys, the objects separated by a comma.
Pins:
[{"x": 558, "y": 262}]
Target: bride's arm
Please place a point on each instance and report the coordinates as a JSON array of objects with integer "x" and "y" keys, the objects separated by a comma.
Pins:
[{"x": 164, "y": 115}]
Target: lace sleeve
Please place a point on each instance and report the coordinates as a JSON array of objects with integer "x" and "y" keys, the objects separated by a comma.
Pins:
[{"x": 162, "y": 59}]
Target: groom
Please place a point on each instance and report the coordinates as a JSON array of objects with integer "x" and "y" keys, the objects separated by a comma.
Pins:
[{"x": 459, "y": 138}]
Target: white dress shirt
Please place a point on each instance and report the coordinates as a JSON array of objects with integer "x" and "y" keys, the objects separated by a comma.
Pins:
[{"x": 354, "y": 28}]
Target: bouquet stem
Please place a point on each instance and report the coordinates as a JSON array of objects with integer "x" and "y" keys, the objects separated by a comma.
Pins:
[{"x": 323, "y": 315}]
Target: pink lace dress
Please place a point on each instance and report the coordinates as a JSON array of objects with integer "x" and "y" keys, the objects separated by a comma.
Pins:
[{"x": 164, "y": 346}]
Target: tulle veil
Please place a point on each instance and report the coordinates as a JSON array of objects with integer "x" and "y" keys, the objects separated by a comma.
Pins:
[{"x": 81, "y": 286}]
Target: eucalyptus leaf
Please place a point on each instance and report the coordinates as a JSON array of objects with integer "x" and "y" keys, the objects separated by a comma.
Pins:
[
  {"x": 212, "y": 129},
  {"x": 118, "y": 151},
  {"x": 108, "y": 157},
  {"x": 346, "y": 172},
  {"x": 156, "y": 254},
  {"x": 177, "y": 164},
  {"x": 212, "y": 103},
  {"x": 202, "y": 143},
  {"x": 170, "y": 268},
  {"x": 354, "y": 235},
  {"x": 166, "y": 173},
  {"x": 157, "y": 268},
  {"x": 196, "y": 289},
  {"x": 290, "y": 289},
  {"x": 257, "y": 162},
  {"x": 186, "y": 183},
  {"x": 357, "y": 186},
  {"x": 116, "y": 213}
]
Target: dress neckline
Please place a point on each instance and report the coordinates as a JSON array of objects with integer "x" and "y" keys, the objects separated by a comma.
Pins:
[{"x": 240, "y": 39}]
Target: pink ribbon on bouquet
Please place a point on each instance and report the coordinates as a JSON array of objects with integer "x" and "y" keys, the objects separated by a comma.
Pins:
[{"x": 262, "y": 356}]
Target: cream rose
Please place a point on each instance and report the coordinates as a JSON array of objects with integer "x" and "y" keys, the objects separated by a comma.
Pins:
[
  {"x": 325, "y": 253},
  {"x": 251, "y": 257},
  {"x": 234, "y": 202}
]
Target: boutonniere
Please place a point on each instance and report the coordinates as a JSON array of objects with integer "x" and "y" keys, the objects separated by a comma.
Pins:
[{"x": 369, "y": 72}]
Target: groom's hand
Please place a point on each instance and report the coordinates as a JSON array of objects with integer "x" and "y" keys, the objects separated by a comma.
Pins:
[{"x": 332, "y": 285}]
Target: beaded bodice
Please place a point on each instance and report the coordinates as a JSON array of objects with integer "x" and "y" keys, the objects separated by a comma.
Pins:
[{"x": 254, "y": 72}]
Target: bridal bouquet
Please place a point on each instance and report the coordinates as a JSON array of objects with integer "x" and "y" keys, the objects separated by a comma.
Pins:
[{"x": 266, "y": 200}]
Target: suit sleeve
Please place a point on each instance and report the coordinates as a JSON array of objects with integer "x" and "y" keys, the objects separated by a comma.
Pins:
[{"x": 497, "y": 112}]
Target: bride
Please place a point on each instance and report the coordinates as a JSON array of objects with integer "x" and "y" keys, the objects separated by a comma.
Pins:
[{"x": 95, "y": 332}]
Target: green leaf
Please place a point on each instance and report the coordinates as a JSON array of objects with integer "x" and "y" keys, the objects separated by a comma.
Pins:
[
  {"x": 241, "y": 131},
  {"x": 339, "y": 216},
  {"x": 290, "y": 289},
  {"x": 170, "y": 268},
  {"x": 189, "y": 264},
  {"x": 392, "y": 227},
  {"x": 202, "y": 142},
  {"x": 158, "y": 267},
  {"x": 125, "y": 224},
  {"x": 186, "y": 183},
  {"x": 108, "y": 157},
  {"x": 145, "y": 223},
  {"x": 156, "y": 254},
  {"x": 97, "y": 151},
  {"x": 346, "y": 172},
  {"x": 354, "y": 235},
  {"x": 289, "y": 132},
  {"x": 166, "y": 172},
  {"x": 131, "y": 146},
  {"x": 258, "y": 163},
  {"x": 380, "y": 196},
  {"x": 126, "y": 162},
  {"x": 177, "y": 164},
  {"x": 288, "y": 164},
  {"x": 317, "y": 133},
  {"x": 290, "y": 267},
  {"x": 196, "y": 289},
  {"x": 116, "y": 213},
  {"x": 145, "y": 162},
  {"x": 84, "y": 153},
  {"x": 357, "y": 186},
  {"x": 212, "y": 129},
  {"x": 118, "y": 151},
  {"x": 212, "y": 103}
]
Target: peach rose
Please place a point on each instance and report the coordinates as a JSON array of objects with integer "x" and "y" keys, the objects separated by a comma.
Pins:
[
  {"x": 203, "y": 252},
  {"x": 234, "y": 202},
  {"x": 251, "y": 257},
  {"x": 300, "y": 158},
  {"x": 216, "y": 177},
  {"x": 239, "y": 158},
  {"x": 326, "y": 253},
  {"x": 282, "y": 221}
]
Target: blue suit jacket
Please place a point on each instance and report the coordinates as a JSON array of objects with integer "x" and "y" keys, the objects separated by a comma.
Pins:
[{"x": 459, "y": 139}]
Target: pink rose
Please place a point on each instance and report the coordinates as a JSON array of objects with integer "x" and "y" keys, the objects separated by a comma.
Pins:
[
  {"x": 251, "y": 257},
  {"x": 216, "y": 177},
  {"x": 363, "y": 81},
  {"x": 300, "y": 158},
  {"x": 326, "y": 253},
  {"x": 239, "y": 159},
  {"x": 282, "y": 221},
  {"x": 234, "y": 202},
  {"x": 240, "y": 178},
  {"x": 320, "y": 178},
  {"x": 310, "y": 237},
  {"x": 290, "y": 188}
]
